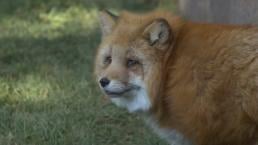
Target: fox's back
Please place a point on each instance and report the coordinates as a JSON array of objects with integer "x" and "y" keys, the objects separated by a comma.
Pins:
[{"x": 213, "y": 80}]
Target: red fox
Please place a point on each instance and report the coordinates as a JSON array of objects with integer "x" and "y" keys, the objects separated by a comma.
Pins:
[{"x": 195, "y": 83}]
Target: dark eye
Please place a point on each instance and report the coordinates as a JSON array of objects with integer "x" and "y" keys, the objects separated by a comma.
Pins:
[
  {"x": 132, "y": 62},
  {"x": 108, "y": 60}
]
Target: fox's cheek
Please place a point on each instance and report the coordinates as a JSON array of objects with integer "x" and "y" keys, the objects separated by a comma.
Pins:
[
  {"x": 137, "y": 70},
  {"x": 133, "y": 77}
]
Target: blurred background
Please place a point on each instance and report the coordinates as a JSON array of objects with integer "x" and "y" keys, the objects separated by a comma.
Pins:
[{"x": 48, "y": 95}]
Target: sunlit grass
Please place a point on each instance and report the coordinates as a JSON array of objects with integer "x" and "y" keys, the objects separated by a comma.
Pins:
[
  {"x": 51, "y": 24},
  {"x": 48, "y": 95},
  {"x": 28, "y": 88}
]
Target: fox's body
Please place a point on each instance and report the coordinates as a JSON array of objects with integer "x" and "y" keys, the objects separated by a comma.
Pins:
[{"x": 196, "y": 81}]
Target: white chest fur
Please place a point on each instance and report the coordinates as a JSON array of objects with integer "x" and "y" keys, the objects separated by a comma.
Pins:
[
  {"x": 173, "y": 137},
  {"x": 138, "y": 101}
]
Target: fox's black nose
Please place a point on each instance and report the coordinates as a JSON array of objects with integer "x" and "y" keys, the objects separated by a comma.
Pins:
[{"x": 104, "y": 82}]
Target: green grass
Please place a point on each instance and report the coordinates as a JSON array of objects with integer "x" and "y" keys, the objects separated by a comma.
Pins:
[{"x": 47, "y": 91}]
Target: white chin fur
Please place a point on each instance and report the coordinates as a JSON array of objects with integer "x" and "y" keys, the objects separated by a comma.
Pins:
[{"x": 138, "y": 102}]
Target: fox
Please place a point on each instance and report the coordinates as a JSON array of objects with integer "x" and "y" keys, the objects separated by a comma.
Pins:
[{"x": 194, "y": 83}]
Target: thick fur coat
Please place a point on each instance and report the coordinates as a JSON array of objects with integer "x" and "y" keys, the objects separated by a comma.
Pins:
[{"x": 198, "y": 79}]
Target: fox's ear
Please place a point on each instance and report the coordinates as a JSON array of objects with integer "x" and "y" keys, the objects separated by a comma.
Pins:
[
  {"x": 107, "y": 22},
  {"x": 158, "y": 32}
]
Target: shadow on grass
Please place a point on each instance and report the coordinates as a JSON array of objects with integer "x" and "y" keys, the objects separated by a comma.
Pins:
[
  {"x": 29, "y": 54},
  {"x": 64, "y": 59},
  {"x": 47, "y": 93}
]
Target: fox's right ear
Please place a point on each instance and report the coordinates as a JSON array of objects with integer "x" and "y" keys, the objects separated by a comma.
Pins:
[
  {"x": 107, "y": 22},
  {"x": 158, "y": 33}
]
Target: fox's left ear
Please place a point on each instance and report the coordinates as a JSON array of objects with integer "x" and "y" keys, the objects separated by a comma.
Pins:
[
  {"x": 107, "y": 22},
  {"x": 158, "y": 32}
]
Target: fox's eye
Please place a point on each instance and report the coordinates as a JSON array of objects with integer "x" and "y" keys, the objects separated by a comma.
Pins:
[
  {"x": 107, "y": 60},
  {"x": 132, "y": 62}
]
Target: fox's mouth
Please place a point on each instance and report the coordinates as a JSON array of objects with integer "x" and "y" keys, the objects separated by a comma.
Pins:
[
  {"x": 117, "y": 93},
  {"x": 120, "y": 93}
]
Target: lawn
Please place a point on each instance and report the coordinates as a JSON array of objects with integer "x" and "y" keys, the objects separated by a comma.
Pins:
[{"x": 47, "y": 91}]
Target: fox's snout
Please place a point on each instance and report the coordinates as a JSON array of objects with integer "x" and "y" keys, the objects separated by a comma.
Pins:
[
  {"x": 113, "y": 87},
  {"x": 104, "y": 82}
]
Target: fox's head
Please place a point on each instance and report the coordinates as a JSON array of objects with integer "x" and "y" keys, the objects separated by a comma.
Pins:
[{"x": 130, "y": 58}]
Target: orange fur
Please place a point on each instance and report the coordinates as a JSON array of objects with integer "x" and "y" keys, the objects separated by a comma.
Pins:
[{"x": 205, "y": 84}]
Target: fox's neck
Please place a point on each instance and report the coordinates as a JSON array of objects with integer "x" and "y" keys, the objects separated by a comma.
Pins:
[{"x": 160, "y": 108}]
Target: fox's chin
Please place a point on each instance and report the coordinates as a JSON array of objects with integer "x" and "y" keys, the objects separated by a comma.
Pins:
[
  {"x": 133, "y": 101},
  {"x": 114, "y": 95}
]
